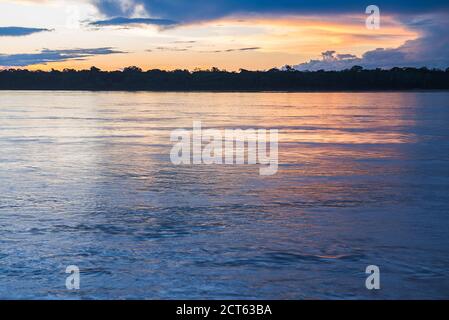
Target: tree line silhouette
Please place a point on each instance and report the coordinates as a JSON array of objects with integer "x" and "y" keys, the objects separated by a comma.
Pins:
[{"x": 287, "y": 79}]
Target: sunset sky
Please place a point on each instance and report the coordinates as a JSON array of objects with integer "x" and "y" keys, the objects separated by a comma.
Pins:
[{"x": 170, "y": 34}]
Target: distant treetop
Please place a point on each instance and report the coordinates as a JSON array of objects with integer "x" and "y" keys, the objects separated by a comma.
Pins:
[{"x": 214, "y": 79}]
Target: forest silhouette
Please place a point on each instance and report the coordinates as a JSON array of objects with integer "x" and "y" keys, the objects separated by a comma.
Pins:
[{"x": 287, "y": 79}]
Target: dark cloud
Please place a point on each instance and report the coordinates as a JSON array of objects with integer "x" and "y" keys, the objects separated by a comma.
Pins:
[
  {"x": 180, "y": 49},
  {"x": 431, "y": 49},
  {"x": 245, "y": 49},
  {"x": 19, "y": 31},
  {"x": 180, "y": 41},
  {"x": 121, "y": 21},
  {"x": 233, "y": 50},
  {"x": 198, "y": 10},
  {"x": 169, "y": 49},
  {"x": 46, "y": 56}
]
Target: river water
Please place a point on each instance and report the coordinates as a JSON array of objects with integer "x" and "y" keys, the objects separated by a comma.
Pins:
[{"x": 86, "y": 180}]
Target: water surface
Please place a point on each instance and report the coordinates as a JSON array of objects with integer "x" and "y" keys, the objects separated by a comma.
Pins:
[{"x": 86, "y": 180}]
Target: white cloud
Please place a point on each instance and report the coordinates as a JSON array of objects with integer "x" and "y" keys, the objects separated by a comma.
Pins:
[{"x": 431, "y": 49}]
